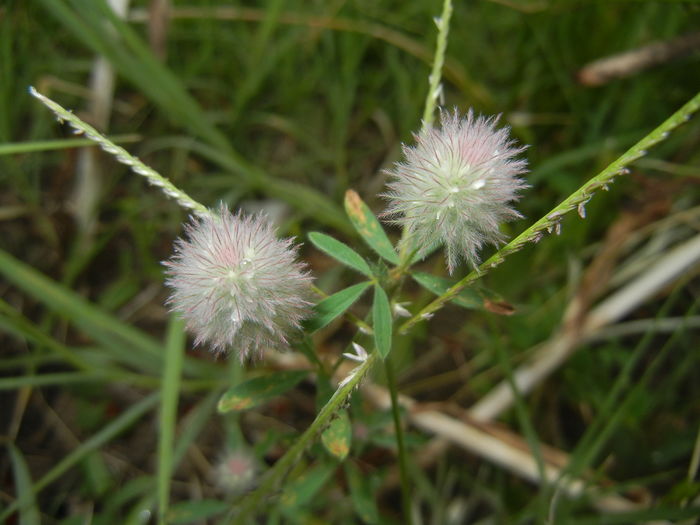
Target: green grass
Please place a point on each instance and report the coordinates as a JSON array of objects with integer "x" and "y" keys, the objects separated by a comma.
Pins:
[{"x": 293, "y": 103}]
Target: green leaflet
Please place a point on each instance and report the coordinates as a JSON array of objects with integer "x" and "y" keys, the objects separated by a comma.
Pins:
[
  {"x": 340, "y": 252},
  {"x": 258, "y": 390},
  {"x": 334, "y": 305}
]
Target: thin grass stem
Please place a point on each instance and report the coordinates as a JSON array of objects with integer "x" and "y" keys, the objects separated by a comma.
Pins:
[{"x": 122, "y": 156}]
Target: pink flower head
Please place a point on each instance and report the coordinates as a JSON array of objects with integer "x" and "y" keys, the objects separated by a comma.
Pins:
[
  {"x": 235, "y": 472},
  {"x": 236, "y": 284},
  {"x": 455, "y": 186}
]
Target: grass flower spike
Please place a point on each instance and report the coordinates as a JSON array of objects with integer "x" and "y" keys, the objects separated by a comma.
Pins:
[
  {"x": 236, "y": 284},
  {"x": 455, "y": 187}
]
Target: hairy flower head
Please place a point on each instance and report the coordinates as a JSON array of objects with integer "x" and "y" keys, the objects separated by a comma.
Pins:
[
  {"x": 235, "y": 472},
  {"x": 236, "y": 284},
  {"x": 455, "y": 186}
]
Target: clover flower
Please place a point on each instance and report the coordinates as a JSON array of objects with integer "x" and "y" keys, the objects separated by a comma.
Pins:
[
  {"x": 236, "y": 284},
  {"x": 235, "y": 472},
  {"x": 455, "y": 187}
]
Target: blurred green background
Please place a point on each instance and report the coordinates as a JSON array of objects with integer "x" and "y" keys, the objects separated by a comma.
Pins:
[{"x": 284, "y": 105}]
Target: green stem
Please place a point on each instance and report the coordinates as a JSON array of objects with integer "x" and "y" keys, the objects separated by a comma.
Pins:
[
  {"x": 403, "y": 463},
  {"x": 577, "y": 200},
  {"x": 251, "y": 502},
  {"x": 435, "y": 77}
]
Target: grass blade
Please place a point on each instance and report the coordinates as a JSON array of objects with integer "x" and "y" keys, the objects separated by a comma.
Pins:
[
  {"x": 143, "y": 351},
  {"x": 170, "y": 391},
  {"x": 29, "y": 513},
  {"x": 127, "y": 344}
]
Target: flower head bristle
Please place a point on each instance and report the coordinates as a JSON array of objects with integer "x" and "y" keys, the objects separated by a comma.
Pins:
[
  {"x": 455, "y": 187},
  {"x": 236, "y": 284}
]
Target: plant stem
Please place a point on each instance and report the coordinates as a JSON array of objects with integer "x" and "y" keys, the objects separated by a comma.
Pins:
[
  {"x": 251, "y": 502},
  {"x": 403, "y": 463},
  {"x": 435, "y": 88}
]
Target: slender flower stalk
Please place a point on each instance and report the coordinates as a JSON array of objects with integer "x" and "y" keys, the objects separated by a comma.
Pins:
[{"x": 236, "y": 284}]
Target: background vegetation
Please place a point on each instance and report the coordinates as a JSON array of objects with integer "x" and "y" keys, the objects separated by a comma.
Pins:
[{"x": 285, "y": 105}]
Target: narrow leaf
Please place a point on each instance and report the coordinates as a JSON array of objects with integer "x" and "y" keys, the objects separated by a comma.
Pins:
[
  {"x": 29, "y": 513},
  {"x": 170, "y": 393},
  {"x": 334, "y": 305},
  {"x": 473, "y": 298},
  {"x": 258, "y": 390},
  {"x": 341, "y": 252},
  {"x": 381, "y": 320},
  {"x": 336, "y": 438},
  {"x": 368, "y": 227}
]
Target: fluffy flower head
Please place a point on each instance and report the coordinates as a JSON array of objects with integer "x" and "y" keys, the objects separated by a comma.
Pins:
[
  {"x": 455, "y": 186},
  {"x": 236, "y": 472},
  {"x": 236, "y": 284}
]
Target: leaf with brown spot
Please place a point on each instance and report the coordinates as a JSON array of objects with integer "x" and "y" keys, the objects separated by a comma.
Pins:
[
  {"x": 259, "y": 390},
  {"x": 368, "y": 227},
  {"x": 336, "y": 438}
]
